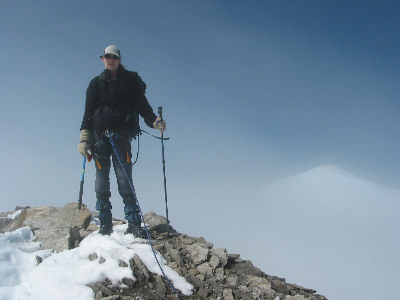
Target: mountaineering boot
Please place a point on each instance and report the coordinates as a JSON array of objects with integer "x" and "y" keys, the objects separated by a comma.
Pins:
[
  {"x": 105, "y": 217},
  {"x": 137, "y": 231},
  {"x": 106, "y": 229},
  {"x": 133, "y": 217}
]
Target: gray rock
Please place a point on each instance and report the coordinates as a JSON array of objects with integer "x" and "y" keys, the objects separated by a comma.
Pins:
[
  {"x": 159, "y": 285},
  {"x": 139, "y": 269},
  {"x": 295, "y": 297},
  {"x": 280, "y": 286},
  {"x": 128, "y": 281},
  {"x": 174, "y": 254},
  {"x": 157, "y": 223},
  {"x": 123, "y": 264},
  {"x": 93, "y": 256},
  {"x": 259, "y": 286},
  {"x": 98, "y": 295},
  {"x": 227, "y": 294},
  {"x": 232, "y": 280},
  {"x": 205, "y": 269},
  {"x": 115, "y": 297},
  {"x": 222, "y": 255},
  {"x": 39, "y": 260},
  {"x": 56, "y": 228},
  {"x": 105, "y": 290},
  {"x": 214, "y": 262},
  {"x": 247, "y": 268},
  {"x": 197, "y": 253},
  {"x": 12, "y": 220}
]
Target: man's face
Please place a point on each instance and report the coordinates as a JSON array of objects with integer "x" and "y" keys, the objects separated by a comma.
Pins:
[{"x": 111, "y": 62}]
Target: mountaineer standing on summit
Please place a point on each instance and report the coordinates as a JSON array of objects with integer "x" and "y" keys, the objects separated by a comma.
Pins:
[{"x": 114, "y": 101}]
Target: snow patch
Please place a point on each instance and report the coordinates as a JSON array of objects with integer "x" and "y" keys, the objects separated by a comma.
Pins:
[{"x": 64, "y": 275}]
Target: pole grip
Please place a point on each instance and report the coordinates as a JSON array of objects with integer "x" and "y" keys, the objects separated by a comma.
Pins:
[{"x": 160, "y": 112}]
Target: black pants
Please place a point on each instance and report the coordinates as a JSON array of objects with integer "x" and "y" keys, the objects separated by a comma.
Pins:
[{"x": 102, "y": 152}]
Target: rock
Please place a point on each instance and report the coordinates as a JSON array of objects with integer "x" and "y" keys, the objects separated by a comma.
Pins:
[
  {"x": 205, "y": 269},
  {"x": 159, "y": 285},
  {"x": 174, "y": 254},
  {"x": 115, "y": 297},
  {"x": 197, "y": 253},
  {"x": 232, "y": 280},
  {"x": 295, "y": 297},
  {"x": 98, "y": 295},
  {"x": 227, "y": 294},
  {"x": 157, "y": 223},
  {"x": 93, "y": 256},
  {"x": 39, "y": 260},
  {"x": 260, "y": 287},
  {"x": 128, "y": 281},
  {"x": 139, "y": 269},
  {"x": 186, "y": 240},
  {"x": 214, "y": 262},
  {"x": 194, "y": 271},
  {"x": 12, "y": 220},
  {"x": 247, "y": 268},
  {"x": 74, "y": 237},
  {"x": 56, "y": 228},
  {"x": 280, "y": 286},
  {"x": 300, "y": 288},
  {"x": 232, "y": 256},
  {"x": 221, "y": 254},
  {"x": 123, "y": 264},
  {"x": 104, "y": 289}
]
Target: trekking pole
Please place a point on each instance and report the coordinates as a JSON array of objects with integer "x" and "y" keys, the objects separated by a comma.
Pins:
[
  {"x": 82, "y": 181},
  {"x": 165, "y": 178}
]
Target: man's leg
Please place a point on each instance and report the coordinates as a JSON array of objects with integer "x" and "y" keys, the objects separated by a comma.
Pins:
[
  {"x": 131, "y": 209},
  {"x": 105, "y": 217},
  {"x": 102, "y": 186}
]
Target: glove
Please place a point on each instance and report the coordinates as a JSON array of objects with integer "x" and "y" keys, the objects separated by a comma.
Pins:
[
  {"x": 160, "y": 124},
  {"x": 84, "y": 144}
]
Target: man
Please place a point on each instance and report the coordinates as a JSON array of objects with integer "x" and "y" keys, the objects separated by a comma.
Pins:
[{"x": 114, "y": 100}]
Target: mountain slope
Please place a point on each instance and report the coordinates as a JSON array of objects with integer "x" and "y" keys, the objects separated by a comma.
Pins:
[{"x": 331, "y": 229}]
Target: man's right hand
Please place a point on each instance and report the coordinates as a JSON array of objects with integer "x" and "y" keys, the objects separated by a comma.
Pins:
[{"x": 84, "y": 144}]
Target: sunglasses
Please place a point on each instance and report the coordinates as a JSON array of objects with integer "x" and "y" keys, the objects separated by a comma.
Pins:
[{"x": 110, "y": 56}]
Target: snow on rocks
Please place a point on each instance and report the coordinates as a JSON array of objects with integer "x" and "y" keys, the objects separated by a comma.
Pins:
[
  {"x": 67, "y": 274},
  {"x": 119, "y": 266}
]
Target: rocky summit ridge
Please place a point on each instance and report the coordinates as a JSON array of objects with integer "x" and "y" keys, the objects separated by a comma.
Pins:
[{"x": 213, "y": 272}]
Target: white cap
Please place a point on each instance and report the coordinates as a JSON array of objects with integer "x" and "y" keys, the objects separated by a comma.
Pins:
[{"x": 111, "y": 50}]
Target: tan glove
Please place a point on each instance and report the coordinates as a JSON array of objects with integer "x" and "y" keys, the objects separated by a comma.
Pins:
[
  {"x": 160, "y": 124},
  {"x": 84, "y": 144}
]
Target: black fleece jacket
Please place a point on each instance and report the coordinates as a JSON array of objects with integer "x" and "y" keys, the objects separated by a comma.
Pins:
[{"x": 124, "y": 94}]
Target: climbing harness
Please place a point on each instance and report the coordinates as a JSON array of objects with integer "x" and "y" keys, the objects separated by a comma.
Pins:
[{"x": 110, "y": 135}]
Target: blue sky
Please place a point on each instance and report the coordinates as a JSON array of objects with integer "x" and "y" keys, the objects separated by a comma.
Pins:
[{"x": 253, "y": 91}]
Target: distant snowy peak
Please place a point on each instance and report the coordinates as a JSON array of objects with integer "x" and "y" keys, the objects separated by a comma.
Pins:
[
  {"x": 330, "y": 175},
  {"x": 327, "y": 171},
  {"x": 329, "y": 183}
]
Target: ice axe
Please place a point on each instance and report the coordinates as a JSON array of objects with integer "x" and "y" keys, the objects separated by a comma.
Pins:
[
  {"x": 165, "y": 178},
  {"x": 82, "y": 181}
]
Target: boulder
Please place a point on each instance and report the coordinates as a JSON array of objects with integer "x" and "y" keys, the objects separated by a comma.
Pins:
[{"x": 56, "y": 228}]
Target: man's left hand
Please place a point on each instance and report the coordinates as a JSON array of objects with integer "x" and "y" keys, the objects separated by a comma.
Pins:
[{"x": 160, "y": 124}]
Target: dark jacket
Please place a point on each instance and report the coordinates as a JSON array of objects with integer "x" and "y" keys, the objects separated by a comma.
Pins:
[{"x": 111, "y": 103}]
